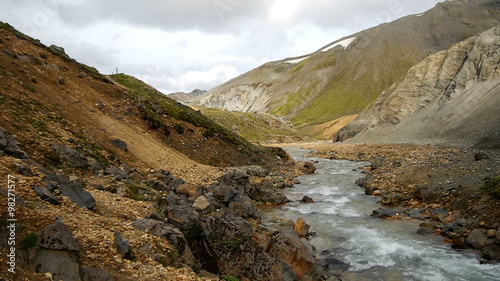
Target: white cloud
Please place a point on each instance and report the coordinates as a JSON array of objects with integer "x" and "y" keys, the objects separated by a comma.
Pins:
[
  {"x": 182, "y": 45},
  {"x": 201, "y": 79}
]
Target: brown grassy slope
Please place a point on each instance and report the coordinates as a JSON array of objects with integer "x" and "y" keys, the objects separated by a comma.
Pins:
[{"x": 47, "y": 97}]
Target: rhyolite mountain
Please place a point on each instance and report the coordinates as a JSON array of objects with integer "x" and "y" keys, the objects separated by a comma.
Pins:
[
  {"x": 451, "y": 97},
  {"x": 184, "y": 97},
  {"x": 345, "y": 76}
]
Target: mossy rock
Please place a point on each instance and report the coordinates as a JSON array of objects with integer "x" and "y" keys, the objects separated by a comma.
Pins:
[{"x": 492, "y": 186}]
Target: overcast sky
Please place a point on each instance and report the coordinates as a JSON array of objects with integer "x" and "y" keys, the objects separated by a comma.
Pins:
[{"x": 180, "y": 45}]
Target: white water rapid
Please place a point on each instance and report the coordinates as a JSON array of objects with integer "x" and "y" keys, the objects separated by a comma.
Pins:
[{"x": 374, "y": 249}]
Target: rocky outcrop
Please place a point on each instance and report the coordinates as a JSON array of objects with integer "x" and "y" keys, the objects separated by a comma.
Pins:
[
  {"x": 69, "y": 156},
  {"x": 449, "y": 98},
  {"x": 123, "y": 247},
  {"x": 229, "y": 240},
  {"x": 266, "y": 192},
  {"x": 10, "y": 145},
  {"x": 287, "y": 247},
  {"x": 57, "y": 252},
  {"x": 172, "y": 235}
]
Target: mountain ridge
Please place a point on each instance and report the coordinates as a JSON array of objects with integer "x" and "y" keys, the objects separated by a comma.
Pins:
[
  {"x": 449, "y": 98},
  {"x": 342, "y": 81}
]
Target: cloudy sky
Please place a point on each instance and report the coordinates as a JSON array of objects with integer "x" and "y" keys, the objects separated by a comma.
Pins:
[{"x": 180, "y": 45}]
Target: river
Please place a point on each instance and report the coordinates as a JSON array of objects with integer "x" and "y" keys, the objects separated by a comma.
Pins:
[{"x": 374, "y": 249}]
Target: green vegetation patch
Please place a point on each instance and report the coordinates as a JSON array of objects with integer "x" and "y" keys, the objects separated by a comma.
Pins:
[{"x": 154, "y": 104}]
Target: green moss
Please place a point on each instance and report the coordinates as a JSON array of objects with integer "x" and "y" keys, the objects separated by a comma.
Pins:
[
  {"x": 29, "y": 88},
  {"x": 138, "y": 192},
  {"x": 28, "y": 241}
]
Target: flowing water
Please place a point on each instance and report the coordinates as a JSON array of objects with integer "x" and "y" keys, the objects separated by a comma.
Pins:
[{"x": 374, "y": 249}]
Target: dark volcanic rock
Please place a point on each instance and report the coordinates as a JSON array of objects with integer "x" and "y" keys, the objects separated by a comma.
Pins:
[
  {"x": 123, "y": 247},
  {"x": 265, "y": 191},
  {"x": 58, "y": 236},
  {"x": 70, "y": 156},
  {"x": 229, "y": 240},
  {"x": 244, "y": 207},
  {"x": 383, "y": 213},
  {"x": 10, "y": 145},
  {"x": 367, "y": 183},
  {"x": 307, "y": 199},
  {"x": 477, "y": 239},
  {"x": 74, "y": 190},
  {"x": 481, "y": 156},
  {"x": 171, "y": 234},
  {"x": 45, "y": 194},
  {"x": 120, "y": 144},
  {"x": 186, "y": 219}
]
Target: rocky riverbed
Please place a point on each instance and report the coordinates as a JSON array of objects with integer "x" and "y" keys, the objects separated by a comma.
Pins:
[{"x": 453, "y": 191}]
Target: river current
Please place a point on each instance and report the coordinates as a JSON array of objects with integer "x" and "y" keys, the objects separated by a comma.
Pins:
[{"x": 374, "y": 249}]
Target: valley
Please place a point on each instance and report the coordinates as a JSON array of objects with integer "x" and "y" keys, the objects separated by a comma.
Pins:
[{"x": 113, "y": 180}]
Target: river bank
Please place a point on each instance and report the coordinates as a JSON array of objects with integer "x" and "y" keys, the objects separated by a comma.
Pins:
[{"x": 452, "y": 190}]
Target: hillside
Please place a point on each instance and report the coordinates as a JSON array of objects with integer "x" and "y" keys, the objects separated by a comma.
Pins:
[
  {"x": 255, "y": 127},
  {"x": 114, "y": 181},
  {"x": 345, "y": 76},
  {"x": 450, "y": 98}
]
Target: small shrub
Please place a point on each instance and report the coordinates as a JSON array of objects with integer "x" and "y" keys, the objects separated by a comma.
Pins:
[
  {"x": 179, "y": 128},
  {"x": 29, "y": 88},
  {"x": 230, "y": 278},
  {"x": 43, "y": 55},
  {"x": 29, "y": 241}
]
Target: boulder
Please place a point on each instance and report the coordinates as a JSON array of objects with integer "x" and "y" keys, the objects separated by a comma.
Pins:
[
  {"x": 438, "y": 214},
  {"x": 70, "y": 156},
  {"x": 477, "y": 238},
  {"x": 186, "y": 219},
  {"x": 307, "y": 199},
  {"x": 285, "y": 245},
  {"x": 301, "y": 227},
  {"x": 308, "y": 168},
  {"x": 234, "y": 253},
  {"x": 46, "y": 195},
  {"x": 391, "y": 198},
  {"x": 60, "y": 263},
  {"x": 123, "y": 247},
  {"x": 491, "y": 252},
  {"x": 58, "y": 236},
  {"x": 120, "y": 144},
  {"x": 171, "y": 234},
  {"x": 257, "y": 171},
  {"x": 10, "y": 145},
  {"x": 481, "y": 156},
  {"x": 117, "y": 173},
  {"x": 201, "y": 203},
  {"x": 383, "y": 213},
  {"x": 243, "y": 206},
  {"x": 164, "y": 180},
  {"x": 266, "y": 192},
  {"x": 74, "y": 190},
  {"x": 238, "y": 180},
  {"x": 367, "y": 183}
]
